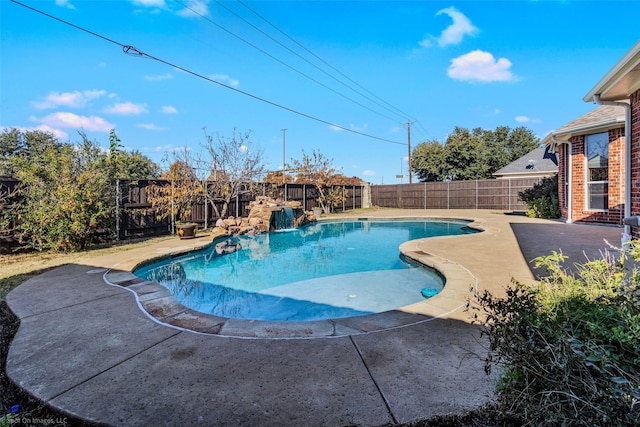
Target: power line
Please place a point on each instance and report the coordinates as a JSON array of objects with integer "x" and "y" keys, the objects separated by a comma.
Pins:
[
  {"x": 278, "y": 60},
  {"x": 399, "y": 111},
  {"x": 133, "y": 51},
  {"x": 300, "y": 56}
]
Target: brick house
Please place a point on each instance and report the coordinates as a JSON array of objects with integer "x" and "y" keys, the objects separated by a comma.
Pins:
[{"x": 594, "y": 184}]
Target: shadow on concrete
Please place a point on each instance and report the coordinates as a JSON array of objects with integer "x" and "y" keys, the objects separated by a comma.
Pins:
[
  {"x": 580, "y": 242},
  {"x": 86, "y": 348}
]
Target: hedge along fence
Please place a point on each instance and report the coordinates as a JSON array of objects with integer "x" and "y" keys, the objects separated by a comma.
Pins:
[
  {"x": 137, "y": 218},
  {"x": 500, "y": 194}
]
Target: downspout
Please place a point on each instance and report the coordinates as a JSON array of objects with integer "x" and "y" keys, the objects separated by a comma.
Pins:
[
  {"x": 627, "y": 155},
  {"x": 569, "y": 166}
]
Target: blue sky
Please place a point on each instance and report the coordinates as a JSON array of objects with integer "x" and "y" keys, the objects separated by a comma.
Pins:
[{"x": 366, "y": 66}]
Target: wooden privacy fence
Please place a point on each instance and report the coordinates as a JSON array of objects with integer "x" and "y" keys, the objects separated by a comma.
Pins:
[
  {"x": 138, "y": 219},
  {"x": 501, "y": 194}
]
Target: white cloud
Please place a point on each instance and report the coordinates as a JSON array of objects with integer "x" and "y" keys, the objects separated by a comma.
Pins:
[
  {"x": 243, "y": 148},
  {"x": 127, "y": 109},
  {"x": 368, "y": 172},
  {"x": 362, "y": 128},
  {"x": 65, "y": 3},
  {"x": 70, "y": 120},
  {"x": 455, "y": 32},
  {"x": 58, "y": 133},
  {"x": 158, "y": 77},
  {"x": 75, "y": 99},
  {"x": 195, "y": 8},
  {"x": 225, "y": 78},
  {"x": 526, "y": 119},
  {"x": 480, "y": 66},
  {"x": 148, "y": 3},
  {"x": 164, "y": 148},
  {"x": 169, "y": 109},
  {"x": 149, "y": 126},
  {"x": 353, "y": 127}
]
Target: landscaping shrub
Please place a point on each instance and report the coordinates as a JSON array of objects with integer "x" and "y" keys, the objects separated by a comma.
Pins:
[
  {"x": 542, "y": 199},
  {"x": 568, "y": 348},
  {"x": 66, "y": 199}
]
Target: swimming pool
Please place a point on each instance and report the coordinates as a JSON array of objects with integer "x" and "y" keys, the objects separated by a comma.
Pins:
[{"x": 322, "y": 271}]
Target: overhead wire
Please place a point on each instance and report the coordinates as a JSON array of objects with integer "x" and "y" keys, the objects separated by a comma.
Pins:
[
  {"x": 277, "y": 59},
  {"x": 220, "y": 4},
  {"x": 398, "y": 111},
  {"x": 133, "y": 51}
]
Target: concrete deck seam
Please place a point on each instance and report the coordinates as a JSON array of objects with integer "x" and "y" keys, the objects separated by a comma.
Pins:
[
  {"x": 375, "y": 383},
  {"x": 53, "y": 310},
  {"x": 111, "y": 367}
]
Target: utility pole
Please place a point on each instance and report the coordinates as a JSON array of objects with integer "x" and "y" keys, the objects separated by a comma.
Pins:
[
  {"x": 409, "y": 148},
  {"x": 283, "y": 154}
]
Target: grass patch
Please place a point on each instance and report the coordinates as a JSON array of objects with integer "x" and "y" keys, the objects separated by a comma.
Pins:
[{"x": 16, "y": 268}]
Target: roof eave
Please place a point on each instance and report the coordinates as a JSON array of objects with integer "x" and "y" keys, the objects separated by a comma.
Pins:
[
  {"x": 541, "y": 172},
  {"x": 566, "y": 134},
  {"x": 621, "y": 81}
]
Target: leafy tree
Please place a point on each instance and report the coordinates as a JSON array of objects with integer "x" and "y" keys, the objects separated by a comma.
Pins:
[
  {"x": 131, "y": 165},
  {"x": 428, "y": 161},
  {"x": 66, "y": 196},
  {"x": 465, "y": 155},
  {"x": 472, "y": 154},
  {"x": 236, "y": 169},
  {"x": 318, "y": 170},
  {"x": 15, "y": 144}
]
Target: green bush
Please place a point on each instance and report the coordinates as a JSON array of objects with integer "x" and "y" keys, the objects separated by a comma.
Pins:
[
  {"x": 66, "y": 196},
  {"x": 568, "y": 348},
  {"x": 542, "y": 199}
]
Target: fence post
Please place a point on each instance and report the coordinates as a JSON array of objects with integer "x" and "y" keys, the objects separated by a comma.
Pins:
[
  {"x": 285, "y": 191},
  {"x": 173, "y": 215},
  {"x": 448, "y": 196},
  {"x": 353, "y": 196},
  {"x": 237, "y": 205},
  {"x": 343, "y": 200},
  {"x": 206, "y": 205},
  {"x": 425, "y": 195},
  {"x": 476, "y": 194},
  {"x": 509, "y": 196},
  {"x": 117, "y": 209}
]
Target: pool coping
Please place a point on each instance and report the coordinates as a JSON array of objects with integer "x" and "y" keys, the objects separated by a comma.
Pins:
[{"x": 159, "y": 305}]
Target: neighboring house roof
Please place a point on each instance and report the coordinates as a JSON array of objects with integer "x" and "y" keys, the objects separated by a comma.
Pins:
[
  {"x": 538, "y": 162},
  {"x": 621, "y": 81},
  {"x": 602, "y": 119}
]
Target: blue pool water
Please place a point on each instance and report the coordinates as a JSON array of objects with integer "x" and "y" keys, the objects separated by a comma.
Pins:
[{"x": 322, "y": 271}]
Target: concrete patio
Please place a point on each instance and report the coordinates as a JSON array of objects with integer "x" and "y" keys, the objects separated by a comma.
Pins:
[{"x": 98, "y": 343}]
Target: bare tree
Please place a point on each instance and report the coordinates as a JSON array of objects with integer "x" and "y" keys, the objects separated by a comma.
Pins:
[
  {"x": 236, "y": 168},
  {"x": 176, "y": 199},
  {"x": 318, "y": 170}
]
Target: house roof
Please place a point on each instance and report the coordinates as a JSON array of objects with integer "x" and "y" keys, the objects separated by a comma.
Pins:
[
  {"x": 621, "y": 81},
  {"x": 602, "y": 119},
  {"x": 535, "y": 162}
]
